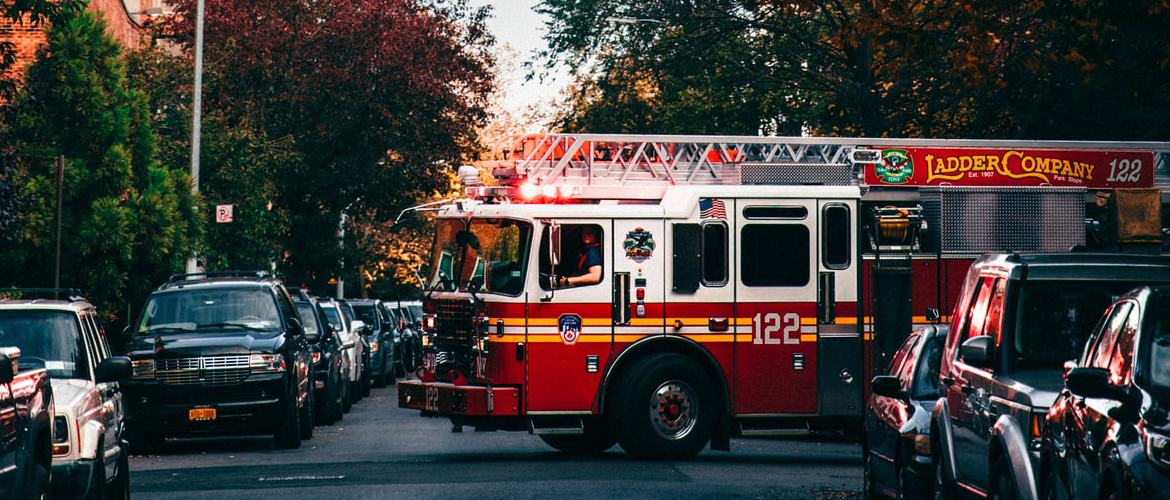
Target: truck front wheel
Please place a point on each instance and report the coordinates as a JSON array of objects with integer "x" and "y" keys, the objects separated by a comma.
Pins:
[{"x": 664, "y": 408}]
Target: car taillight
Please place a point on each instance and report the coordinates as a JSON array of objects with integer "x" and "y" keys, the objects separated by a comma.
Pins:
[
  {"x": 267, "y": 363},
  {"x": 143, "y": 368},
  {"x": 429, "y": 323},
  {"x": 60, "y": 435},
  {"x": 316, "y": 357}
]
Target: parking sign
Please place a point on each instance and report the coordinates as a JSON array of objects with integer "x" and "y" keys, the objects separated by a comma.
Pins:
[{"x": 223, "y": 213}]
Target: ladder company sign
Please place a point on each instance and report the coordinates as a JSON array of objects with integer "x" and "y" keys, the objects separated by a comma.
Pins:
[{"x": 223, "y": 213}]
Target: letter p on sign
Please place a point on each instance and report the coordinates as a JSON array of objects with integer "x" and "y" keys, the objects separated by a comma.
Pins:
[{"x": 223, "y": 214}]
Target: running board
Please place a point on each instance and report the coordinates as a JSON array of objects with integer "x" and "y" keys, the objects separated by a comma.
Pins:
[{"x": 556, "y": 425}]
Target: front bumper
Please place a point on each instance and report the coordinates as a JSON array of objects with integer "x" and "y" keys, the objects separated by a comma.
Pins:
[
  {"x": 444, "y": 398},
  {"x": 164, "y": 410}
]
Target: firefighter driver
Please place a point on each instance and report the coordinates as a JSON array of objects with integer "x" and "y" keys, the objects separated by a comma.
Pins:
[{"x": 589, "y": 267}]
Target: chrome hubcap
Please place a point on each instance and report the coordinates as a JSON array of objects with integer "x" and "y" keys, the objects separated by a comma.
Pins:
[{"x": 673, "y": 409}]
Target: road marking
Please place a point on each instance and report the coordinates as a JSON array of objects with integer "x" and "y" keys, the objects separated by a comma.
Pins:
[{"x": 301, "y": 478}]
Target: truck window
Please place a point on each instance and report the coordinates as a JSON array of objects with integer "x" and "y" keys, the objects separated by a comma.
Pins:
[
  {"x": 774, "y": 255},
  {"x": 576, "y": 256},
  {"x": 714, "y": 253},
  {"x": 1055, "y": 318},
  {"x": 835, "y": 229}
]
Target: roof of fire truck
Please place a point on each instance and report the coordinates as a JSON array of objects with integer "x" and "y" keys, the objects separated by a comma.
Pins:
[{"x": 655, "y": 176}]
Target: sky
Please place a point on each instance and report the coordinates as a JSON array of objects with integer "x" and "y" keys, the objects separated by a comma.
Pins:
[{"x": 516, "y": 24}]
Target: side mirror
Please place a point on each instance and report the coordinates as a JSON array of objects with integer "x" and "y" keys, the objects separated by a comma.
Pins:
[
  {"x": 328, "y": 332},
  {"x": 295, "y": 327},
  {"x": 978, "y": 351},
  {"x": 1092, "y": 383},
  {"x": 932, "y": 315},
  {"x": 358, "y": 326},
  {"x": 7, "y": 370},
  {"x": 114, "y": 369},
  {"x": 890, "y": 387}
]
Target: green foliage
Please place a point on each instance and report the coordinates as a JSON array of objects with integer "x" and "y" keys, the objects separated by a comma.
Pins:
[
  {"x": 348, "y": 106},
  {"x": 1035, "y": 69},
  {"x": 126, "y": 221}
]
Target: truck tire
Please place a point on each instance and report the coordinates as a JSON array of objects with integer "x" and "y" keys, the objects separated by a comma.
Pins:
[
  {"x": 663, "y": 409},
  {"x": 288, "y": 433},
  {"x": 595, "y": 440},
  {"x": 36, "y": 485},
  {"x": 120, "y": 487},
  {"x": 1003, "y": 482}
]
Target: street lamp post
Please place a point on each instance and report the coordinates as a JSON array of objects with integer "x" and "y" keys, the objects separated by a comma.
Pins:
[{"x": 196, "y": 111}]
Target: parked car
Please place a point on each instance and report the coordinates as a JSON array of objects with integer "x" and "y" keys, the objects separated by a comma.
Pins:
[
  {"x": 330, "y": 385},
  {"x": 1108, "y": 435},
  {"x": 896, "y": 449},
  {"x": 1017, "y": 319},
  {"x": 350, "y": 342},
  {"x": 362, "y": 330},
  {"x": 379, "y": 337},
  {"x": 58, "y": 330},
  {"x": 26, "y": 427},
  {"x": 398, "y": 333},
  {"x": 411, "y": 315},
  {"x": 220, "y": 353}
]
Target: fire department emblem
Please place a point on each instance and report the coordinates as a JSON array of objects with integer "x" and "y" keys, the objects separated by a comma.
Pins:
[
  {"x": 896, "y": 167},
  {"x": 570, "y": 327},
  {"x": 639, "y": 245}
]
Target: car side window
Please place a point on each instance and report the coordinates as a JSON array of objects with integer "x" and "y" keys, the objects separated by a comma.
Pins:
[
  {"x": 994, "y": 323},
  {"x": 1108, "y": 336},
  {"x": 977, "y": 313},
  {"x": 1121, "y": 364},
  {"x": 903, "y": 364}
]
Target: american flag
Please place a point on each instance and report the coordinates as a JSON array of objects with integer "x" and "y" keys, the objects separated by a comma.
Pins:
[{"x": 711, "y": 208}]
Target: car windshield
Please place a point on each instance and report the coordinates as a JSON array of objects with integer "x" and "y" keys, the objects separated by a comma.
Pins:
[
  {"x": 367, "y": 314},
  {"x": 200, "y": 310},
  {"x": 487, "y": 255},
  {"x": 1056, "y": 317},
  {"x": 47, "y": 339},
  {"x": 309, "y": 320},
  {"x": 334, "y": 317},
  {"x": 1159, "y": 344}
]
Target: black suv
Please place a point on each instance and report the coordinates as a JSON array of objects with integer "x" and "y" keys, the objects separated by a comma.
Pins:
[{"x": 220, "y": 353}]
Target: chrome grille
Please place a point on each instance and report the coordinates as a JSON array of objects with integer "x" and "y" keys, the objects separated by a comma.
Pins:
[{"x": 207, "y": 370}]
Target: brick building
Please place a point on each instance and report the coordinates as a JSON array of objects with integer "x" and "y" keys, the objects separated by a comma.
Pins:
[{"x": 122, "y": 17}]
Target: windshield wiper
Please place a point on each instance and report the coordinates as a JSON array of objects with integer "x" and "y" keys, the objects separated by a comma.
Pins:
[
  {"x": 168, "y": 329},
  {"x": 230, "y": 324}
]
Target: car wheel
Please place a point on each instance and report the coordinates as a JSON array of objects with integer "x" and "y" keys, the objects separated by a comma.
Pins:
[
  {"x": 664, "y": 409},
  {"x": 1003, "y": 483},
  {"x": 36, "y": 486},
  {"x": 97, "y": 479},
  {"x": 306, "y": 416},
  {"x": 1052, "y": 488},
  {"x": 346, "y": 400},
  {"x": 288, "y": 433},
  {"x": 868, "y": 487},
  {"x": 399, "y": 363},
  {"x": 941, "y": 487},
  {"x": 595, "y": 440},
  {"x": 119, "y": 488}
]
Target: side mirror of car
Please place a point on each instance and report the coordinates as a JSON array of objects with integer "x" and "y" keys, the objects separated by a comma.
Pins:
[
  {"x": 113, "y": 369},
  {"x": 978, "y": 351},
  {"x": 7, "y": 371},
  {"x": 1092, "y": 383},
  {"x": 358, "y": 326},
  {"x": 328, "y": 332},
  {"x": 295, "y": 327},
  {"x": 890, "y": 387}
]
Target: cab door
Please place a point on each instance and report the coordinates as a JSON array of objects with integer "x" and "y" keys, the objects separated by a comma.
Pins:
[{"x": 776, "y": 306}]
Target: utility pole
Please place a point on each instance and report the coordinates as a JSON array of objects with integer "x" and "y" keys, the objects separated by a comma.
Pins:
[{"x": 196, "y": 111}]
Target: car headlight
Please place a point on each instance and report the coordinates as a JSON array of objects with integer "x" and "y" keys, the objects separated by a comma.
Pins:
[
  {"x": 268, "y": 363},
  {"x": 143, "y": 368},
  {"x": 1157, "y": 446}
]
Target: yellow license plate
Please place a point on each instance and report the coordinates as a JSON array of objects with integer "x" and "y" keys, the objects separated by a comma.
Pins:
[{"x": 201, "y": 414}]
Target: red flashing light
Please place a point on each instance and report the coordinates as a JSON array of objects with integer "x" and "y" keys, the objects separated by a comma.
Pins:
[
  {"x": 641, "y": 294},
  {"x": 529, "y": 191}
]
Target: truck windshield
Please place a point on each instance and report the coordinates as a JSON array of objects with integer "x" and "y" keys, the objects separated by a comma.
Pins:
[
  {"x": 47, "y": 339},
  {"x": 249, "y": 309},
  {"x": 483, "y": 255}
]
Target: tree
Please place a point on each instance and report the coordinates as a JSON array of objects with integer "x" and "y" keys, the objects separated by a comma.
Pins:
[
  {"x": 877, "y": 68},
  {"x": 376, "y": 98},
  {"x": 126, "y": 220}
]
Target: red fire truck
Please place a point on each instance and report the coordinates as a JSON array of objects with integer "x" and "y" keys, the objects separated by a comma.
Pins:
[{"x": 749, "y": 285}]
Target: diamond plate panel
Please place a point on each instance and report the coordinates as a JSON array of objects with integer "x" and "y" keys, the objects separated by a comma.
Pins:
[{"x": 981, "y": 219}]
